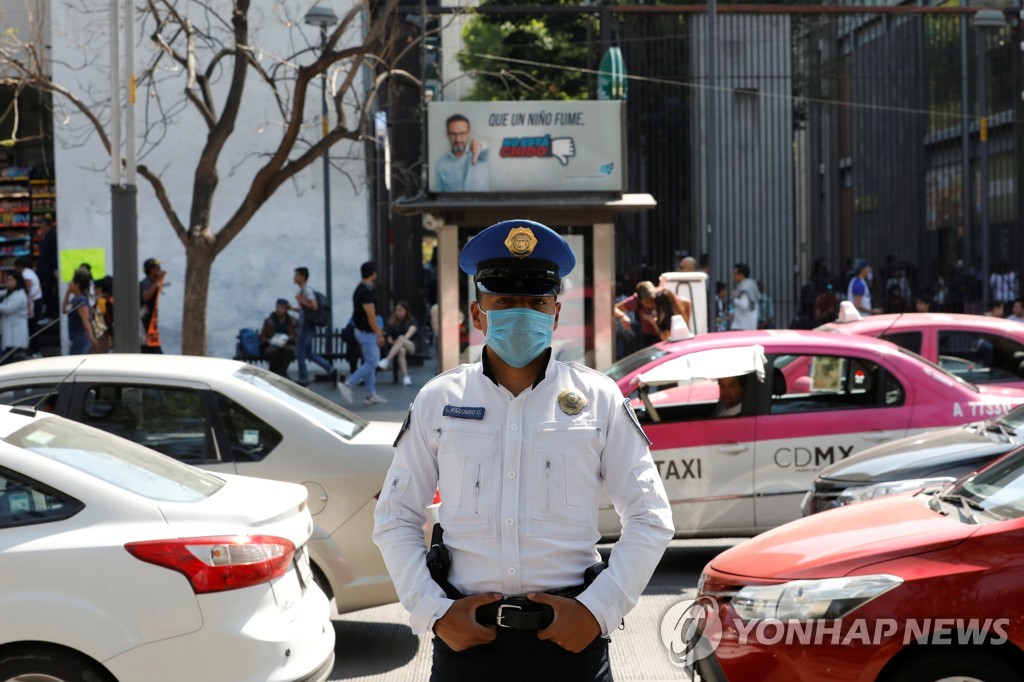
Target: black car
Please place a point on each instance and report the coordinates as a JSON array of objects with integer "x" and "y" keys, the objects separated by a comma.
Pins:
[{"x": 921, "y": 461}]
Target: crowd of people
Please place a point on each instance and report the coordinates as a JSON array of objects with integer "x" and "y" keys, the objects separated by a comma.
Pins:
[{"x": 643, "y": 309}]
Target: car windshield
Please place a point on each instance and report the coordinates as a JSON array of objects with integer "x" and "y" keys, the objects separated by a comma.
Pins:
[
  {"x": 116, "y": 461},
  {"x": 963, "y": 382},
  {"x": 302, "y": 400},
  {"x": 998, "y": 490},
  {"x": 635, "y": 361}
]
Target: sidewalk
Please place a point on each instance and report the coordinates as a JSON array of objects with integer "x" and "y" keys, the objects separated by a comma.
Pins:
[{"x": 398, "y": 397}]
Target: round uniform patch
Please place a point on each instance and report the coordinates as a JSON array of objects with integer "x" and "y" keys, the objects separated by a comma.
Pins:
[
  {"x": 571, "y": 402},
  {"x": 520, "y": 242}
]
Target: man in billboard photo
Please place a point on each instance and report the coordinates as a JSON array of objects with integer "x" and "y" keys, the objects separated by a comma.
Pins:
[{"x": 464, "y": 167}]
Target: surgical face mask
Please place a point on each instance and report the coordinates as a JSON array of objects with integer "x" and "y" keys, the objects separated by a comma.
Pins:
[{"x": 518, "y": 335}]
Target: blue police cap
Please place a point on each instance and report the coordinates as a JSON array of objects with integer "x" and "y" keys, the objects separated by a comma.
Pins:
[{"x": 516, "y": 257}]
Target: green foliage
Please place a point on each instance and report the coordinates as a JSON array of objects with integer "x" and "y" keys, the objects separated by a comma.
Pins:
[{"x": 553, "y": 48}]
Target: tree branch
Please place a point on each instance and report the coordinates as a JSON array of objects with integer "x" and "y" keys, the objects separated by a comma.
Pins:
[{"x": 165, "y": 203}]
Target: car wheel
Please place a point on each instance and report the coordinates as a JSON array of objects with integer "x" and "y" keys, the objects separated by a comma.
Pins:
[
  {"x": 49, "y": 664},
  {"x": 952, "y": 665}
]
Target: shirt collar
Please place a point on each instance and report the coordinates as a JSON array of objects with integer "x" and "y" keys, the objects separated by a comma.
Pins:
[{"x": 490, "y": 375}]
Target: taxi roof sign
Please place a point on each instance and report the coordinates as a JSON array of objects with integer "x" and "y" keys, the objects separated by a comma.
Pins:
[{"x": 715, "y": 363}]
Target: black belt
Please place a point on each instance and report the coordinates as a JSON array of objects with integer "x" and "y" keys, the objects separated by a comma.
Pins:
[
  {"x": 519, "y": 613},
  {"x": 516, "y": 613}
]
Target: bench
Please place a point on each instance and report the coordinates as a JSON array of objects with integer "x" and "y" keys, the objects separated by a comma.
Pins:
[
  {"x": 326, "y": 343},
  {"x": 332, "y": 347}
]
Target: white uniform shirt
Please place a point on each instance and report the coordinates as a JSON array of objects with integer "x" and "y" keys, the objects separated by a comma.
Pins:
[{"x": 520, "y": 489}]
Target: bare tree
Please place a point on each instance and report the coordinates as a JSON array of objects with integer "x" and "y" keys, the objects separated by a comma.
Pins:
[{"x": 207, "y": 54}]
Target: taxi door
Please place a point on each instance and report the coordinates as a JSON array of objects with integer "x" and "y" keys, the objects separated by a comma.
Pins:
[
  {"x": 706, "y": 462},
  {"x": 821, "y": 410}
]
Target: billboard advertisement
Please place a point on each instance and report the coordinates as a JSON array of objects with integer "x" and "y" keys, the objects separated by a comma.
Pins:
[{"x": 475, "y": 147}]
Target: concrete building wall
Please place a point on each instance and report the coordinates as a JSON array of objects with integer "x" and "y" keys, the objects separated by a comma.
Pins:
[{"x": 256, "y": 268}]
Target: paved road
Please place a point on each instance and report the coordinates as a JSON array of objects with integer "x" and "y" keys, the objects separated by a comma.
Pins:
[{"x": 376, "y": 645}]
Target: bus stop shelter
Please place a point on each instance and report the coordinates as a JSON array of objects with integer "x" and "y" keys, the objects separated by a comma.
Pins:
[{"x": 586, "y": 331}]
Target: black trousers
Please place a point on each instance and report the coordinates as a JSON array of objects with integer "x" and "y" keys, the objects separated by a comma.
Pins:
[{"x": 516, "y": 656}]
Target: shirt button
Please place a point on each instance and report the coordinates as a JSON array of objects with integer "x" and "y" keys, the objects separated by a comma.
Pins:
[
  {"x": 509, "y": 522},
  {"x": 515, "y": 427},
  {"x": 511, "y": 474},
  {"x": 511, "y": 571}
]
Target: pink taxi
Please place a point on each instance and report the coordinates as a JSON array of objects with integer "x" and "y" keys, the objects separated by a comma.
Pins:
[
  {"x": 809, "y": 399},
  {"x": 983, "y": 350}
]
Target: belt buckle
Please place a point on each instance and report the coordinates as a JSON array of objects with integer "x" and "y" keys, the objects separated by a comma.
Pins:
[{"x": 501, "y": 617}]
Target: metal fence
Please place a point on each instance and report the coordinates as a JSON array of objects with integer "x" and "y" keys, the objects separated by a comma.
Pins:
[
  {"x": 842, "y": 133},
  {"x": 839, "y": 136}
]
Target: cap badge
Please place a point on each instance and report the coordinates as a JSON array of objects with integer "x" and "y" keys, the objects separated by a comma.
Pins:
[
  {"x": 571, "y": 402},
  {"x": 520, "y": 242}
]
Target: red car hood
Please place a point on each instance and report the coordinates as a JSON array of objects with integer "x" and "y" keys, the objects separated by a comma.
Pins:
[{"x": 837, "y": 542}]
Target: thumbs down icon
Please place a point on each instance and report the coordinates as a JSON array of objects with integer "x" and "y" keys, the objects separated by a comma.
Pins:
[{"x": 562, "y": 148}]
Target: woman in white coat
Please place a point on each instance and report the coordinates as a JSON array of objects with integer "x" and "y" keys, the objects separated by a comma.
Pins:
[{"x": 14, "y": 317}]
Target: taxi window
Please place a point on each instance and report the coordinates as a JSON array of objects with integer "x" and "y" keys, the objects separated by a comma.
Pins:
[
  {"x": 981, "y": 358},
  {"x": 816, "y": 383},
  {"x": 724, "y": 398},
  {"x": 909, "y": 340}
]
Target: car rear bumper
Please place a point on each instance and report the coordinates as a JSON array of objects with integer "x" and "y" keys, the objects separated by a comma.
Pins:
[{"x": 246, "y": 635}]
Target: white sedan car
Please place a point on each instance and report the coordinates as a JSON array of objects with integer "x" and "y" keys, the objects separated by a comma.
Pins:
[
  {"x": 117, "y": 563},
  {"x": 226, "y": 416}
]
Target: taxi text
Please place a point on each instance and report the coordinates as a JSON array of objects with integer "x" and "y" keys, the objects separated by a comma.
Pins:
[
  {"x": 805, "y": 458},
  {"x": 980, "y": 409},
  {"x": 679, "y": 468}
]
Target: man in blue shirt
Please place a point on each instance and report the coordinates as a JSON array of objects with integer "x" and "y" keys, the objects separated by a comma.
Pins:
[{"x": 464, "y": 167}]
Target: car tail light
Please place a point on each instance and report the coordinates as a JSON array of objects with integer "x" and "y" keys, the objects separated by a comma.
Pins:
[
  {"x": 216, "y": 564},
  {"x": 437, "y": 496}
]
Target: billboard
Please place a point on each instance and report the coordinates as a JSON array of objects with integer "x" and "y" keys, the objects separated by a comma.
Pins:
[{"x": 531, "y": 147}]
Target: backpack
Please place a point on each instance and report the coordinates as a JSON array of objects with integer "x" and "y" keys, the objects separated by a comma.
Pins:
[
  {"x": 320, "y": 317},
  {"x": 249, "y": 342},
  {"x": 99, "y": 323}
]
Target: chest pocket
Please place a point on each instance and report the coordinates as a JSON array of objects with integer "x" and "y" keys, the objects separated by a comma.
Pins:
[
  {"x": 565, "y": 481},
  {"x": 466, "y": 459}
]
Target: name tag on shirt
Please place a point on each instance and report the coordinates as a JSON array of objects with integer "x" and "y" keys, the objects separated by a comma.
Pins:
[{"x": 463, "y": 412}]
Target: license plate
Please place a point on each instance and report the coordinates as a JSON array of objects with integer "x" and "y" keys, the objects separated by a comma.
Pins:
[{"x": 303, "y": 568}]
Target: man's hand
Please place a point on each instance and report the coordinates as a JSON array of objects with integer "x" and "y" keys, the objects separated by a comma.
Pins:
[
  {"x": 458, "y": 627},
  {"x": 574, "y": 626},
  {"x": 475, "y": 147}
]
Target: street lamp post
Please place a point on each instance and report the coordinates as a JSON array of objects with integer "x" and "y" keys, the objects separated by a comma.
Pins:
[
  {"x": 984, "y": 20},
  {"x": 324, "y": 17}
]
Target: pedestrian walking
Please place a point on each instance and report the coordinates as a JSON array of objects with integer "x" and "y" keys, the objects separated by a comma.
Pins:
[
  {"x": 368, "y": 335},
  {"x": 307, "y": 306},
  {"x": 520, "y": 445}
]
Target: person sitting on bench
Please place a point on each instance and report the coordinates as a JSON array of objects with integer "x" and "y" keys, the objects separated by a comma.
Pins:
[
  {"x": 398, "y": 333},
  {"x": 277, "y": 338}
]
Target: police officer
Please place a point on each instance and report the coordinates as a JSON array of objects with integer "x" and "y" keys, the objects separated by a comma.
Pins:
[{"x": 519, "y": 445}]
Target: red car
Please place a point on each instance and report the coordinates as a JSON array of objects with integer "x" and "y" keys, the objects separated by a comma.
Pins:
[
  {"x": 982, "y": 350},
  {"x": 921, "y": 588}
]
